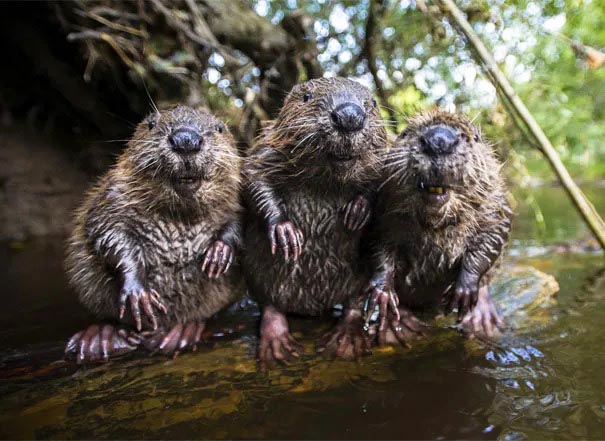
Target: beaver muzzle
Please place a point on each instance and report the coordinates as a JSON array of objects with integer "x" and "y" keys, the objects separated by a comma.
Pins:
[
  {"x": 343, "y": 157},
  {"x": 187, "y": 184},
  {"x": 185, "y": 141},
  {"x": 439, "y": 140},
  {"x": 435, "y": 195},
  {"x": 348, "y": 117}
]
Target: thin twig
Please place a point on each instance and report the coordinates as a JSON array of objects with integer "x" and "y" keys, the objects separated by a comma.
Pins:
[
  {"x": 202, "y": 28},
  {"x": 115, "y": 26},
  {"x": 106, "y": 38},
  {"x": 175, "y": 22}
]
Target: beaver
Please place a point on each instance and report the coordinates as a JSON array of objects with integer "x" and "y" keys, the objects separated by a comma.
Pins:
[
  {"x": 310, "y": 181},
  {"x": 441, "y": 222},
  {"x": 156, "y": 237}
]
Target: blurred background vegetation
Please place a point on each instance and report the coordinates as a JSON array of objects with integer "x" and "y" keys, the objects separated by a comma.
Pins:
[{"x": 89, "y": 69}]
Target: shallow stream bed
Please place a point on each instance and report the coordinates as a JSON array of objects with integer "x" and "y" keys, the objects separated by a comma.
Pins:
[{"x": 542, "y": 380}]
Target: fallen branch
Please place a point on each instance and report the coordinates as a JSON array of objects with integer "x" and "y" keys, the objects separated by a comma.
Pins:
[{"x": 589, "y": 214}]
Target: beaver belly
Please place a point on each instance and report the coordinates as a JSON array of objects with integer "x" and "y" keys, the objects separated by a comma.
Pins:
[
  {"x": 191, "y": 295},
  {"x": 320, "y": 279},
  {"x": 173, "y": 260},
  {"x": 326, "y": 272}
]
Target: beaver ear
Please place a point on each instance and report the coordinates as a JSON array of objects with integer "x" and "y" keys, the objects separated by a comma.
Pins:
[
  {"x": 152, "y": 120},
  {"x": 476, "y": 135},
  {"x": 404, "y": 134}
]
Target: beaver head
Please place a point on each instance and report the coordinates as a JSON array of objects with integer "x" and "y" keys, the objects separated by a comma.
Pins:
[
  {"x": 179, "y": 150},
  {"x": 329, "y": 126},
  {"x": 443, "y": 167}
]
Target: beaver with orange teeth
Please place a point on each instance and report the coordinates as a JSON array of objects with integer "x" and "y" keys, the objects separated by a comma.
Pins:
[
  {"x": 442, "y": 221},
  {"x": 154, "y": 240}
]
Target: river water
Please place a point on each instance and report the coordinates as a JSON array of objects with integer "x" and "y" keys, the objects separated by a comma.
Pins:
[{"x": 544, "y": 380}]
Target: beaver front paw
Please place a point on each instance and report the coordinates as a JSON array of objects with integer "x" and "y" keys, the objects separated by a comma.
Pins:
[
  {"x": 218, "y": 257},
  {"x": 465, "y": 294},
  {"x": 357, "y": 213},
  {"x": 99, "y": 342},
  {"x": 175, "y": 341},
  {"x": 138, "y": 297},
  {"x": 288, "y": 236},
  {"x": 484, "y": 322},
  {"x": 380, "y": 296},
  {"x": 276, "y": 343},
  {"x": 347, "y": 340}
]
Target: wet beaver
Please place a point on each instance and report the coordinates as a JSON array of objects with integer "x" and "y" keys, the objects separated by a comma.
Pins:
[
  {"x": 154, "y": 238},
  {"x": 310, "y": 189},
  {"x": 442, "y": 220}
]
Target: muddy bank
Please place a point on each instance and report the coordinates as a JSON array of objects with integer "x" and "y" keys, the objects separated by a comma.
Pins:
[{"x": 43, "y": 178}]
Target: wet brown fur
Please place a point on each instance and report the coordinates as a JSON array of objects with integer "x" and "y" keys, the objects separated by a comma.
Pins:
[
  {"x": 428, "y": 247},
  {"x": 135, "y": 210},
  {"x": 291, "y": 176}
]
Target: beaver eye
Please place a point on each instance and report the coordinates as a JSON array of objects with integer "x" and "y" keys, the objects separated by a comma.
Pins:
[
  {"x": 374, "y": 103},
  {"x": 404, "y": 134},
  {"x": 219, "y": 128},
  {"x": 307, "y": 97},
  {"x": 151, "y": 123}
]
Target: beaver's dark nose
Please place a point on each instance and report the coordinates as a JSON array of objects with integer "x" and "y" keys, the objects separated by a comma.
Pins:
[
  {"x": 439, "y": 141},
  {"x": 348, "y": 117},
  {"x": 185, "y": 141}
]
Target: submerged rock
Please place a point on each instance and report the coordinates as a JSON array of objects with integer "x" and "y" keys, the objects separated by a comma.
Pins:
[{"x": 524, "y": 295}]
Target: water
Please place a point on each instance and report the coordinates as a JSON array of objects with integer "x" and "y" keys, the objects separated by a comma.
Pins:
[{"x": 543, "y": 381}]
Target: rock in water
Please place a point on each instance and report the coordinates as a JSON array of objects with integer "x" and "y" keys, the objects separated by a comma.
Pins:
[{"x": 524, "y": 295}]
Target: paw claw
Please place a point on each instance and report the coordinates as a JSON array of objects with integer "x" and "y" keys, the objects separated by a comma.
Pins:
[
  {"x": 289, "y": 238},
  {"x": 139, "y": 298},
  {"x": 178, "y": 339},
  {"x": 484, "y": 321},
  {"x": 217, "y": 259},
  {"x": 401, "y": 332},
  {"x": 276, "y": 346},
  {"x": 357, "y": 213},
  {"x": 347, "y": 340},
  {"x": 385, "y": 299},
  {"x": 463, "y": 296},
  {"x": 98, "y": 343}
]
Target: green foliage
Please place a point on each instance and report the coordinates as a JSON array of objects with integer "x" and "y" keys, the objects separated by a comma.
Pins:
[
  {"x": 565, "y": 96},
  {"x": 423, "y": 62}
]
